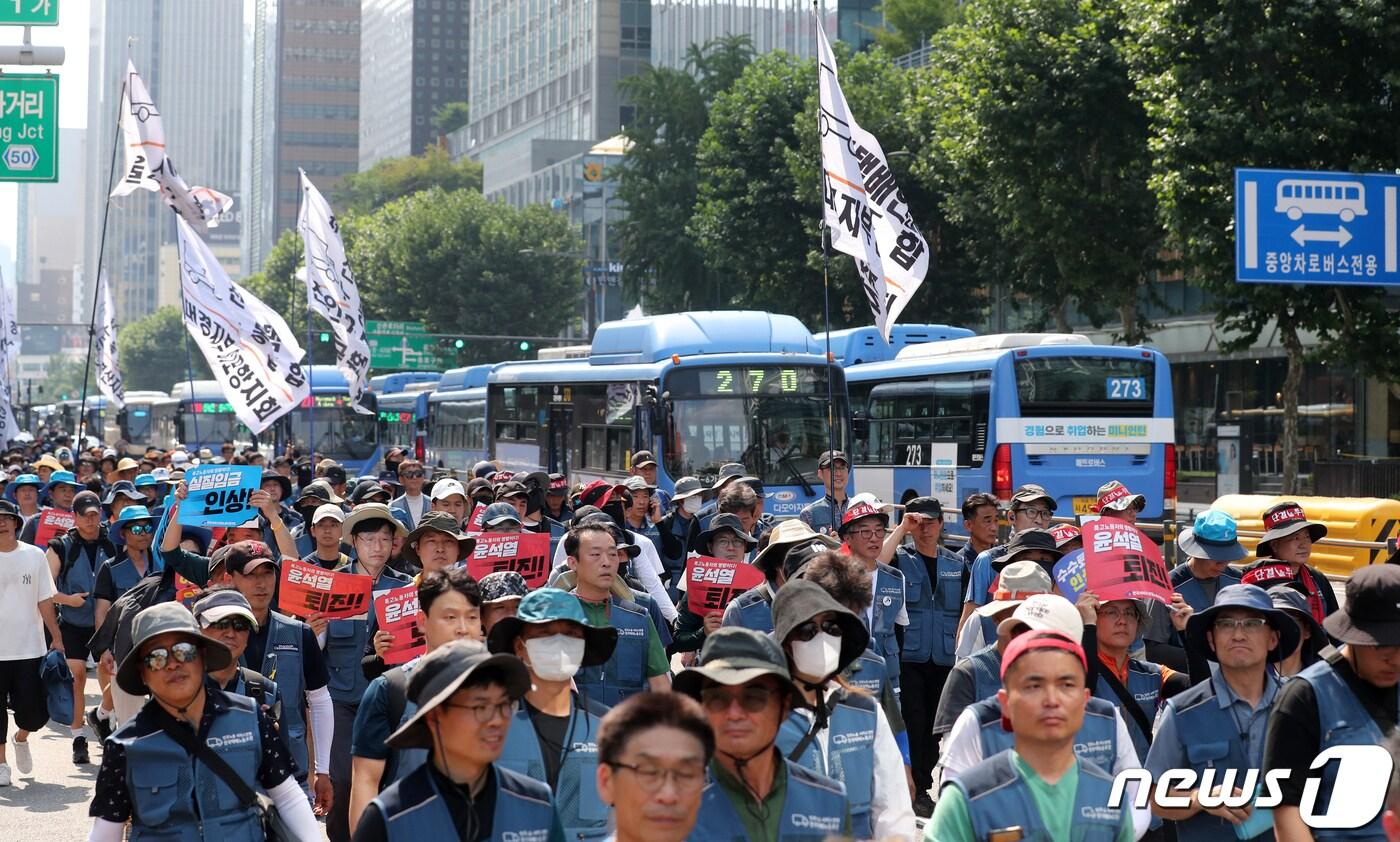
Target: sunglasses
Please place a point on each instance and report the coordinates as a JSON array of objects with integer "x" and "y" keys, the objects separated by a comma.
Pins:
[
  {"x": 183, "y": 653},
  {"x": 808, "y": 630},
  {"x": 238, "y": 624},
  {"x": 751, "y": 699},
  {"x": 141, "y": 529},
  {"x": 411, "y": 475}
]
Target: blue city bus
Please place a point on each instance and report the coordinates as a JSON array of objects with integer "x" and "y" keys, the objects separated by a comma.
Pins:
[
  {"x": 327, "y": 424},
  {"x": 205, "y": 418},
  {"x": 988, "y": 413},
  {"x": 456, "y": 413},
  {"x": 147, "y": 420},
  {"x": 403, "y": 409},
  {"x": 697, "y": 389},
  {"x": 856, "y": 345}
]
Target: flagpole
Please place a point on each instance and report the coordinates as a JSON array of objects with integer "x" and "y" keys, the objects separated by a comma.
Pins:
[
  {"x": 310, "y": 348},
  {"x": 826, "y": 309},
  {"x": 189, "y": 360}
]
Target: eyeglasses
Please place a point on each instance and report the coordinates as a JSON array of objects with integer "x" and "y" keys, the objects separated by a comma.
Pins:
[
  {"x": 728, "y": 541},
  {"x": 652, "y": 778},
  {"x": 1035, "y": 514},
  {"x": 237, "y": 624},
  {"x": 487, "y": 713},
  {"x": 141, "y": 529},
  {"x": 867, "y": 533},
  {"x": 182, "y": 652},
  {"x": 808, "y": 630},
  {"x": 751, "y": 699},
  {"x": 411, "y": 475},
  {"x": 1118, "y": 613},
  {"x": 1249, "y": 624}
]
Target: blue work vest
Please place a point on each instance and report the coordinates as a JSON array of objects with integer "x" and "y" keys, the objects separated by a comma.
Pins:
[
  {"x": 867, "y": 672},
  {"x": 625, "y": 672},
  {"x": 175, "y": 798},
  {"x": 752, "y": 609},
  {"x": 815, "y": 808},
  {"x": 934, "y": 606},
  {"x": 401, "y": 761},
  {"x": 998, "y": 798},
  {"x": 346, "y": 642},
  {"x": 581, "y": 811},
  {"x": 270, "y": 694},
  {"x": 1190, "y": 587},
  {"x": 123, "y": 572},
  {"x": 888, "y": 600},
  {"x": 1210, "y": 736},
  {"x": 282, "y": 663},
  {"x": 986, "y": 671},
  {"x": 824, "y": 514},
  {"x": 414, "y": 811},
  {"x": 1343, "y": 721},
  {"x": 1096, "y": 741},
  {"x": 1145, "y": 686},
  {"x": 80, "y": 575},
  {"x": 850, "y": 754}
]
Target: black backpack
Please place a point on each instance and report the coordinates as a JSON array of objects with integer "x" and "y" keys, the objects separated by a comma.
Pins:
[{"x": 114, "y": 634}]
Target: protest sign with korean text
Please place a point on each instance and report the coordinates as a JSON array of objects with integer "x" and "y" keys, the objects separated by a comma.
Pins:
[
  {"x": 1123, "y": 563},
  {"x": 527, "y": 553},
  {"x": 711, "y": 583},
  {"x": 307, "y": 589},
  {"x": 1070, "y": 575},
  {"x": 52, "y": 523},
  {"x": 476, "y": 523},
  {"x": 218, "y": 495},
  {"x": 397, "y": 613}
]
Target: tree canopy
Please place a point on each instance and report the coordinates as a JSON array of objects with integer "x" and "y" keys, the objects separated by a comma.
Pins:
[{"x": 393, "y": 178}]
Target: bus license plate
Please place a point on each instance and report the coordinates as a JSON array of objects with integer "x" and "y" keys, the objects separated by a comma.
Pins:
[{"x": 1085, "y": 505}]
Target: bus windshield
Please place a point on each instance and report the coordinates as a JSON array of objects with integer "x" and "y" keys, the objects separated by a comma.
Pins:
[
  {"x": 340, "y": 432},
  {"x": 209, "y": 423},
  {"x": 772, "y": 419},
  {"x": 138, "y": 423},
  {"x": 1085, "y": 386}
]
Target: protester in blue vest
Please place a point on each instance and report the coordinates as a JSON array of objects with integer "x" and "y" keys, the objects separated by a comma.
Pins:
[
  {"x": 154, "y": 490},
  {"x": 1039, "y": 790},
  {"x": 1350, "y": 697},
  {"x": 754, "y": 791},
  {"x": 115, "y": 577},
  {"x": 980, "y": 521},
  {"x": 465, "y": 700},
  {"x": 653, "y": 749},
  {"x": 839, "y": 732},
  {"x": 312, "y": 497},
  {"x": 556, "y": 498},
  {"x": 153, "y": 774},
  {"x": 1290, "y": 601},
  {"x": 1220, "y": 723},
  {"x": 554, "y": 735},
  {"x": 862, "y": 530},
  {"x": 752, "y": 609},
  {"x": 1210, "y": 545},
  {"x": 120, "y": 495},
  {"x": 678, "y": 531},
  {"x": 449, "y": 609},
  {"x": 225, "y": 615},
  {"x": 1031, "y": 508},
  {"x": 824, "y": 515}
]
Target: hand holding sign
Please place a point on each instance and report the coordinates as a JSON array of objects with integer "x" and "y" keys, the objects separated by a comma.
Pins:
[
  {"x": 712, "y": 583},
  {"x": 220, "y": 495},
  {"x": 527, "y": 553},
  {"x": 1123, "y": 563},
  {"x": 397, "y": 613},
  {"x": 307, "y": 589}
]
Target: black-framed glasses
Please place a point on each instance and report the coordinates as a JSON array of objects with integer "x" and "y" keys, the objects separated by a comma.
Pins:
[
  {"x": 752, "y": 699},
  {"x": 1249, "y": 624},
  {"x": 809, "y": 629},
  {"x": 183, "y": 653},
  {"x": 141, "y": 529},
  {"x": 487, "y": 713},
  {"x": 1035, "y": 514},
  {"x": 652, "y": 778},
  {"x": 238, "y": 624},
  {"x": 411, "y": 475}
]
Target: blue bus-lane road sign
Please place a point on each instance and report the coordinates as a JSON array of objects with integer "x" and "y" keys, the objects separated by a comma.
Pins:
[{"x": 1306, "y": 227}]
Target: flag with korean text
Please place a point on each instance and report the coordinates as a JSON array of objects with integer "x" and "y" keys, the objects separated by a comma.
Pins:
[
  {"x": 250, "y": 349},
  {"x": 9, "y": 360},
  {"x": 863, "y": 208},
  {"x": 331, "y": 290},
  {"x": 109, "y": 372}
]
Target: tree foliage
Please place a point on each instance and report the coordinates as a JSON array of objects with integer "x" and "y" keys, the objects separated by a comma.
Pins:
[
  {"x": 152, "y": 351},
  {"x": 393, "y": 178},
  {"x": 451, "y": 116},
  {"x": 909, "y": 24}
]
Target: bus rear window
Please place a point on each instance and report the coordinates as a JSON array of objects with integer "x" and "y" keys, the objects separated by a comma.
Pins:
[{"x": 1085, "y": 386}]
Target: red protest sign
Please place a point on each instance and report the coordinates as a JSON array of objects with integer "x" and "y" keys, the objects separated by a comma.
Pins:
[
  {"x": 397, "y": 613},
  {"x": 307, "y": 589},
  {"x": 185, "y": 590},
  {"x": 476, "y": 523},
  {"x": 52, "y": 523},
  {"x": 1123, "y": 563},
  {"x": 711, "y": 583},
  {"x": 527, "y": 553}
]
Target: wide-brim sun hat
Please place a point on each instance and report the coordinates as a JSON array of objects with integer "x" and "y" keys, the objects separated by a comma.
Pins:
[
  {"x": 735, "y": 655},
  {"x": 159, "y": 619},
  {"x": 1213, "y": 537},
  {"x": 1282, "y": 520},
  {"x": 548, "y": 605},
  {"x": 1251, "y": 598},
  {"x": 1294, "y": 603},
  {"x": 1369, "y": 616},
  {"x": 783, "y": 537},
  {"x": 722, "y": 522},
  {"x": 440, "y": 522},
  {"x": 441, "y": 673},
  {"x": 370, "y": 512}
]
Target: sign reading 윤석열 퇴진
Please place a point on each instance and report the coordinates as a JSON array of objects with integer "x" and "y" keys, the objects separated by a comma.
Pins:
[{"x": 1304, "y": 227}]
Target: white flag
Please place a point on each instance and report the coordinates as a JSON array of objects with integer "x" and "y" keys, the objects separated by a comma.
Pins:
[
  {"x": 250, "y": 349},
  {"x": 331, "y": 290},
  {"x": 148, "y": 167},
  {"x": 9, "y": 358},
  {"x": 864, "y": 209},
  {"x": 109, "y": 372}
]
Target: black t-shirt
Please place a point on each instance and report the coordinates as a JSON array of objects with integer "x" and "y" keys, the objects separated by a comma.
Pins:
[
  {"x": 552, "y": 731},
  {"x": 471, "y": 816},
  {"x": 313, "y": 661},
  {"x": 1294, "y": 737}
]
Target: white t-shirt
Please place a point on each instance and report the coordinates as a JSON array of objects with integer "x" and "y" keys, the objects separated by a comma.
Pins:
[{"x": 25, "y": 581}]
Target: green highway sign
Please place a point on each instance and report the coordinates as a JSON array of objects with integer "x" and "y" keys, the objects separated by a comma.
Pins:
[
  {"x": 28, "y": 125},
  {"x": 403, "y": 346},
  {"x": 28, "y": 12}
]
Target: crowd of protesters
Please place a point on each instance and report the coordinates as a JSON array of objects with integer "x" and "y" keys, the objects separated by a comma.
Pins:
[{"x": 881, "y": 683}]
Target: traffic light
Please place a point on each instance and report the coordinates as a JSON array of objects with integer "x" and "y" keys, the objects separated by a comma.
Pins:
[
  {"x": 459, "y": 344},
  {"x": 524, "y": 346},
  {"x": 325, "y": 337}
]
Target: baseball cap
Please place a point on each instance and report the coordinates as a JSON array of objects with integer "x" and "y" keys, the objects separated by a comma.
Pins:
[
  {"x": 222, "y": 604},
  {"x": 829, "y": 456},
  {"x": 86, "y": 501},
  {"x": 801, "y": 555},
  {"x": 1046, "y": 612},
  {"x": 501, "y": 586},
  {"x": 245, "y": 556},
  {"x": 643, "y": 458},
  {"x": 930, "y": 506},
  {"x": 1029, "y": 493},
  {"x": 444, "y": 488},
  {"x": 328, "y": 510},
  {"x": 1018, "y": 580}
]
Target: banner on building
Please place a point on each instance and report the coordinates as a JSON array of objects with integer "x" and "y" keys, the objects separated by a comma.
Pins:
[
  {"x": 331, "y": 290},
  {"x": 109, "y": 372},
  {"x": 250, "y": 349}
]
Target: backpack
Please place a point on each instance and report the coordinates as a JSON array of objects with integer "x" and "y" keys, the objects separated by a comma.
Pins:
[
  {"x": 397, "y": 681},
  {"x": 114, "y": 634}
]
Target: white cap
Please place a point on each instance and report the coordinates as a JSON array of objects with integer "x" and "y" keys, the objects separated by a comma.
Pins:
[
  {"x": 179, "y": 457},
  {"x": 444, "y": 488},
  {"x": 1046, "y": 612},
  {"x": 328, "y": 510}
]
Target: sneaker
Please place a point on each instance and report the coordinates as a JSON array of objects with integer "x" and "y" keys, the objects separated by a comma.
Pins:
[
  {"x": 24, "y": 761},
  {"x": 101, "y": 727},
  {"x": 80, "y": 752},
  {"x": 4, "y": 774},
  {"x": 923, "y": 807}
]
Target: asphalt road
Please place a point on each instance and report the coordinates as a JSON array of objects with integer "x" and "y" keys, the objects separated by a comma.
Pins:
[{"x": 50, "y": 803}]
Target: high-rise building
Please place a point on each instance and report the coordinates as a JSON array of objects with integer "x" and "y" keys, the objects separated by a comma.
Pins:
[
  {"x": 301, "y": 74},
  {"x": 190, "y": 56},
  {"x": 771, "y": 25},
  {"x": 413, "y": 61}
]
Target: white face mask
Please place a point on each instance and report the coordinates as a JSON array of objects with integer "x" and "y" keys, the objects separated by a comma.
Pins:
[
  {"x": 555, "y": 658},
  {"x": 817, "y": 658},
  {"x": 691, "y": 504}
]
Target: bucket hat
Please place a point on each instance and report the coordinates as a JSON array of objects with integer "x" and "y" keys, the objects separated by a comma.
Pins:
[
  {"x": 1115, "y": 496},
  {"x": 1017, "y": 581},
  {"x": 366, "y": 512},
  {"x": 1028, "y": 540},
  {"x": 688, "y": 487},
  {"x": 1369, "y": 617},
  {"x": 9, "y": 509},
  {"x": 501, "y": 586},
  {"x": 721, "y": 522},
  {"x": 800, "y": 600},
  {"x": 1292, "y": 601},
  {"x": 548, "y": 605},
  {"x": 1282, "y": 520},
  {"x": 1214, "y": 535},
  {"x": 165, "y": 618},
  {"x": 783, "y": 537},
  {"x": 1253, "y": 598},
  {"x": 62, "y": 478},
  {"x": 123, "y": 488},
  {"x": 283, "y": 482},
  {"x": 444, "y": 671},
  {"x": 27, "y": 479},
  {"x": 134, "y": 514},
  {"x": 735, "y": 655},
  {"x": 728, "y": 472},
  {"x": 198, "y": 534},
  {"x": 436, "y": 522}
]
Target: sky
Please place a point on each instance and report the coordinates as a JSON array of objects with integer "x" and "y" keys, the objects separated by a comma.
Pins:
[{"x": 72, "y": 34}]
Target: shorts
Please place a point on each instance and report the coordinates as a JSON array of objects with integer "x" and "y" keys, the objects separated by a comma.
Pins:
[
  {"x": 75, "y": 640},
  {"x": 22, "y": 691}
]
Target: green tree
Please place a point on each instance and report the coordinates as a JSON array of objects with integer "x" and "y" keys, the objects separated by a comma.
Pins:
[
  {"x": 909, "y": 24},
  {"x": 451, "y": 116},
  {"x": 152, "y": 351},
  {"x": 65, "y": 377},
  {"x": 1294, "y": 84},
  {"x": 393, "y": 178}
]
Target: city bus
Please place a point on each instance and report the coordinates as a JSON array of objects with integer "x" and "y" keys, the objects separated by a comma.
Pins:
[
  {"x": 989, "y": 413},
  {"x": 327, "y": 424},
  {"x": 456, "y": 419},
  {"x": 205, "y": 418},
  {"x": 403, "y": 408},
  {"x": 697, "y": 389},
  {"x": 147, "y": 419},
  {"x": 856, "y": 345}
]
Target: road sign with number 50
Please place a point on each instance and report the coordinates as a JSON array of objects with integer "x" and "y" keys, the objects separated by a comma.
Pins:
[{"x": 28, "y": 126}]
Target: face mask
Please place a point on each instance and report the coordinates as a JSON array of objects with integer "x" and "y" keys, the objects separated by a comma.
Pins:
[
  {"x": 691, "y": 504},
  {"x": 818, "y": 657},
  {"x": 555, "y": 658}
]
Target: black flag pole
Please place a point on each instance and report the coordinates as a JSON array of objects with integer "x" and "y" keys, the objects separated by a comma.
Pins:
[
  {"x": 189, "y": 358},
  {"x": 826, "y": 298}
]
